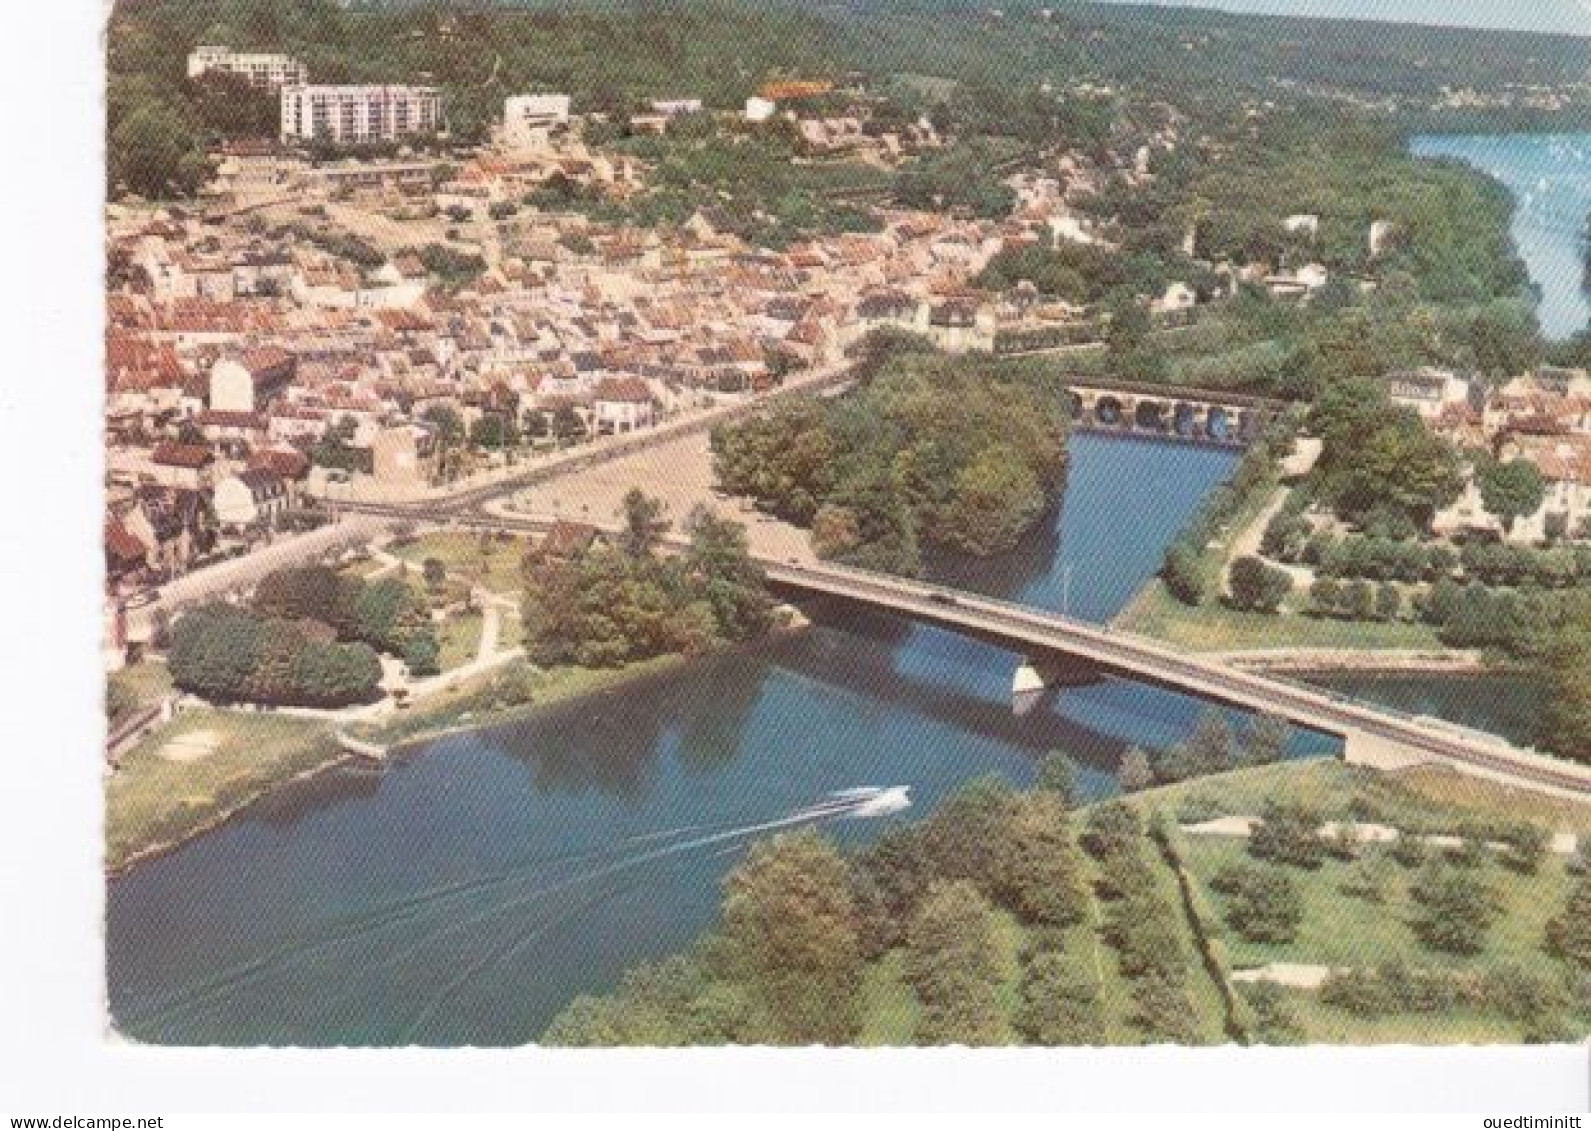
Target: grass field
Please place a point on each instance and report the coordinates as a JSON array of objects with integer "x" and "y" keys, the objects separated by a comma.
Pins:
[
  {"x": 207, "y": 763},
  {"x": 1431, "y": 798},
  {"x": 1213, "y": 627},
  {"x": 503, "y": 695},
  {"x": 459, "y": 637},
  {"x": 460, "y": 553},
  {"x": 1341, "y": 930}
]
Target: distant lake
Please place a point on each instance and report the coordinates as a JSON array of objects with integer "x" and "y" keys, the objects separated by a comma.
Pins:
[{"x": 1550, "y": 177}]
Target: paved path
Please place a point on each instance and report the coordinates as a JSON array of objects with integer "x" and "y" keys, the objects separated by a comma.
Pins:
[
  {"x": 1247, "y": 542},
  {"x": 1298, "y": 975},
  {"x": 1561, "y": 844},
  {"x": 216, "y": 580}
]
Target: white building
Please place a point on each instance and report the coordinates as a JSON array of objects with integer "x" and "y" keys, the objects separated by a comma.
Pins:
[
  {"x": 1429, "y": 391},
  {"x": 1381, "y": 232},
  {"x": 760, "y": 109},
  {"x": 530, "y": 119},
  {"x": 252, "y": 498},
  {"x": 273, "y": 71},
  {"x": 674, "y": 107},
  {"x": 352, "y": 115}
]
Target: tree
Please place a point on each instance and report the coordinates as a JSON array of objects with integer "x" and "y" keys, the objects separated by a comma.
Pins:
[
  {"x": 1569, "y": 932},
  {"x": 434, "y": 570},
  {"x": 953, "y": 962},
  {"x": 1180, "y": 570},
  {"x": 1257, "y": 586},
  {"x": 1512, "y": 490},
  {"x": 719, "y": 562},
  {"x": 1565, "y": 660},
  {"x": 1389, "y": 602},
  {"x": 1135, "y": 772},
  {"x": 1288, "y": 834},
  {"x": 422, "y": 654},
  {"x": 1041, "y": 876},
  {"x": 1211, "y": 748},
  {"x": 1058, "y": 775},
  {"x": 1268, "y": 737},
  {"x": 644, "y": 523},
  {"x": 567, "y": 425},
  {"x": 1457, "y": 908},
  {"x": 1263, "y": 904},
  {"x": 996, "y": 499},
  {"x": 1059, "y": 1004},
  {"x": 1505, "y": 340},
  {"x": 494, "y": 430},
  {"x": 790, "y": 938},
  {"x": 155, "y": 152}
]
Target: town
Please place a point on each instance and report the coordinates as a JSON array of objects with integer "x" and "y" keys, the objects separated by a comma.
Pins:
[{"x": 716, "y": 454}]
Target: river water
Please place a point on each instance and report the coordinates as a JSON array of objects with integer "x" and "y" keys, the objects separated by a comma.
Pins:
[
  {"x": 1550, "y": 178},
  {"x": 467, "y": 893}
]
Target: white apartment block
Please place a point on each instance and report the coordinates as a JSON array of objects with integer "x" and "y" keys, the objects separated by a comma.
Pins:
[
  {"x": 352, "y": 115},
  {"x": 529, "y": 119},
  {"x": 273, "y": 71}
]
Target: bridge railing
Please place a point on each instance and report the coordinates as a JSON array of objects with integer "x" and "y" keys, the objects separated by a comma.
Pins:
[{"x": 1043, "y": 618}]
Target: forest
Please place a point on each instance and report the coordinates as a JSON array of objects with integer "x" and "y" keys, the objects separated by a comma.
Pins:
[
  {"x": 929, "y": 450},
  {"x": 613, "y": 56}
]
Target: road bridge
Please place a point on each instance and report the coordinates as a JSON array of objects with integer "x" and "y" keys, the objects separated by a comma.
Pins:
[{"x": 1372, "y": 735}]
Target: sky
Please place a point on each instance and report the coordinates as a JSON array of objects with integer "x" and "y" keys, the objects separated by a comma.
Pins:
[{"x": 1570, "y": 16}]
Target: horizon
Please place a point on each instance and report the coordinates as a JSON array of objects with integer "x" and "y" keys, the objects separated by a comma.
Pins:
[{"x": 1555, "y": 17}]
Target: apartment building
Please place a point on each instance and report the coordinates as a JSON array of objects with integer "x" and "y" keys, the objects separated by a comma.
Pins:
[
  {"x": 355, "y": 115},
  {"x": 529, "y": 120},
  {"x": 266, "y": 70}
]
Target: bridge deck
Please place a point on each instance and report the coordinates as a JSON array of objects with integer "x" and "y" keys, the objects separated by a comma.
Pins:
[{"x": 1029, "y": 630}]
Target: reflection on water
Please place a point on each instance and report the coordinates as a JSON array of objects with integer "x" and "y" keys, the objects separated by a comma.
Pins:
[
  {"x": 1550, "y": 178},
  {"x": 467, "y": 894},
  {"x": 1506, "y": 705}
]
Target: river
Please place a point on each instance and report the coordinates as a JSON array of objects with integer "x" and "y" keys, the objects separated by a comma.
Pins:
[
  {"x": 1550, "y": 178},
  {"x": 469, "y": 891}
]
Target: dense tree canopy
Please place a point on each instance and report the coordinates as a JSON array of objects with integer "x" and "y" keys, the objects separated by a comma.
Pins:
[{"x": 929, "y": 450}]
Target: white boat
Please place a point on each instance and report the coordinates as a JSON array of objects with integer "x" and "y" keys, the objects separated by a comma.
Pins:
[{"x": 883, "y": 802}]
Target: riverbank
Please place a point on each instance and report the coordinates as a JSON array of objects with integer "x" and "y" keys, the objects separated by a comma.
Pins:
[
  {"x": 202, "y": 770},
  {"x": 211, "y": 765}
]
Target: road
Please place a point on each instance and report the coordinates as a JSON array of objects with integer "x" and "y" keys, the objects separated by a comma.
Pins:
[
  {"x": 243, "y": 573},
  {"x": 1035, "y": 631}
]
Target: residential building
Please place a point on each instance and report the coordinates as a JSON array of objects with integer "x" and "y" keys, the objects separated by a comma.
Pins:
[
  {"x": 247, "y": 382},
  {"x": 358, "y": 115},
  {"x": 251, "y": 499},
  {"x": 1428, "y": 391},
  {"x": 188, "y": 467},
  {"x": 261, "y": 69},
  {"x": 530, "y": 119},
  {"x": 622, "y": 404}
]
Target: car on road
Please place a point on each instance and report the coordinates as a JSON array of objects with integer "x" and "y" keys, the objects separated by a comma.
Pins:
[
  {"x": 942, "y": 598},
  {"x": 144, "y": 597}
]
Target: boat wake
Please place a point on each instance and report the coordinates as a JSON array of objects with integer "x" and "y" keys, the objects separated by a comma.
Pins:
[{"x": 422, "y": 920}]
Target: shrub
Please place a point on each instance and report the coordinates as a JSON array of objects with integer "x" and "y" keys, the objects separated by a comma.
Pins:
[
  {"x": 1257, "y": 586},
  {"x": 1263, "y": 905},
  {"x": 1456, "y": 910},
  {"x": 1289, "y": 835}
]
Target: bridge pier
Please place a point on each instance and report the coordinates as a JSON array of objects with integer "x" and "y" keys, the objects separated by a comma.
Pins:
[
  {"x": 1028, "y": 686},
  {"x": 1035, "y": 678}
]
